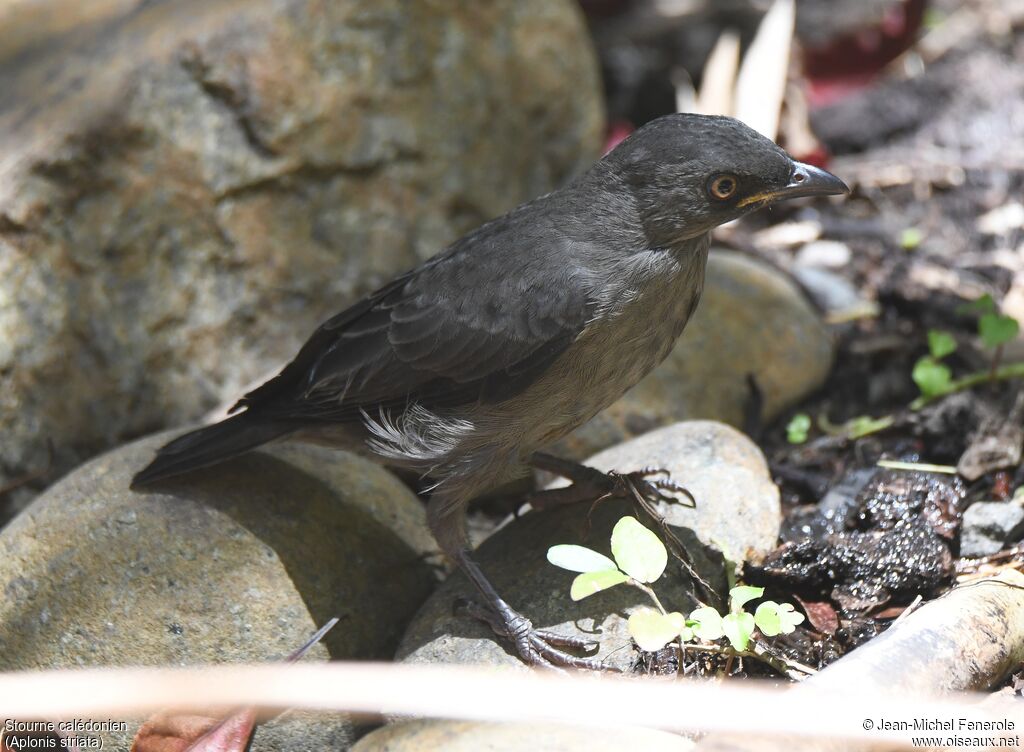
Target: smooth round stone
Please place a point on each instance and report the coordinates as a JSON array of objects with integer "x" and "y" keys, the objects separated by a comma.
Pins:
[
  {"x": 737, "y": 511},
  {"x": 833, "y": 292},
  {"x": 827, "y": 254},
  {"x": 241, "y": 562}
]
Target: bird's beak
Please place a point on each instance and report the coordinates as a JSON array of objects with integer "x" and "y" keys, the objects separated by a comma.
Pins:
[{"x": 806, "y": 180}]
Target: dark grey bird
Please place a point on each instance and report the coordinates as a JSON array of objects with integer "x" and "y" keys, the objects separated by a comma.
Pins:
[{"x": 463, "y": 368}]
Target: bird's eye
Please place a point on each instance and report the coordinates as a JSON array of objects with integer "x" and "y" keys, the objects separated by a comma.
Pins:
[{"x": 722, "y": 187}]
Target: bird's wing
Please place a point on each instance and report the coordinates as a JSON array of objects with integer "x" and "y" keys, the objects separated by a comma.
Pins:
[{"x": 452, "y": 332}]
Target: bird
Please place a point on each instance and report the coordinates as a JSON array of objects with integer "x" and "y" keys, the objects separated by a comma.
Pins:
[{"x": 464, "y": 368}]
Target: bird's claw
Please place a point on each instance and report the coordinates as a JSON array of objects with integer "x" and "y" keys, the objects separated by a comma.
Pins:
[
  {"x": 653, "y": 488},
  {"x": 537, "y": 647}
]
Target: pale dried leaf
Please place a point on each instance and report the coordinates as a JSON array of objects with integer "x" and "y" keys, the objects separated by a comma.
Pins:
[
  {"x": 718, "y": 84},
  {"x": 761, "y": 83}
]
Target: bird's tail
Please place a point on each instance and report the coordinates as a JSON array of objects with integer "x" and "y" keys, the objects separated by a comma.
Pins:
[{"x": 210, "y": 445}]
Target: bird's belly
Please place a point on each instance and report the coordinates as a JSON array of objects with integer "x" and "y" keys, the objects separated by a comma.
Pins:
[{"x": 592, "y": 389}]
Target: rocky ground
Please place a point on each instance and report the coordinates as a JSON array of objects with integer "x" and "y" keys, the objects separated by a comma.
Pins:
[
  {"x": 178, "y": 241},
  {"x": 934, "y": 224}
]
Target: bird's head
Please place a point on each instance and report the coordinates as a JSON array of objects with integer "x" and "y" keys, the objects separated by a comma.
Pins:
[{"x": 691, "y": 173}]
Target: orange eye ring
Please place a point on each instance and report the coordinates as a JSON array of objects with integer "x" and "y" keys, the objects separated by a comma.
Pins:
[{"x": 723, "y": 187}]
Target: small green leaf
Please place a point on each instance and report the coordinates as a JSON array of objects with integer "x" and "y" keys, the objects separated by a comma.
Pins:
[
  {"x": 638, "y": 552},
  {"x": 741, "y": 594},
  {"x": 797, "y": 428},
  {"x": 932, "y": 378},
  {"x": 588, "y": 583},
  {"x": 767, "y": 618},
  {"x": 911, "y": 238},
  {"x": 653, "y": 630},
  {"x": 984, "y": 304},
  {"x": 777, "y": 618},
  {"x": 708, "y": 625},
  {"x": 996, "y": 330},
  {"x": 579, "y": 558},
  {"x": 686, "y": 634},
  {"x": 738, "y": 627},
  {"x": 940, "y": 343}
]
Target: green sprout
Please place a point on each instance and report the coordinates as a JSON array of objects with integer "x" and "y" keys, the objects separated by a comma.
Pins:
[
  {"x": 798, "y": 428},
  {"x": 984, "y": 304},
  {"x": 911, "y": 238},
  {"x": 932, "y": 377},
  {"x": 935, "y": 379},
  {"x": 994, "y": 328},
  {"x": 940, "y": 343},
  {"x": 639, "y": 559}
]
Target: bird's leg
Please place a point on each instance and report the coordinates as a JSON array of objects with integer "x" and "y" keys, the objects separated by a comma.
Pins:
[
  {"x": 537, "y": 647},
  {"x": 588, "y": 484}
]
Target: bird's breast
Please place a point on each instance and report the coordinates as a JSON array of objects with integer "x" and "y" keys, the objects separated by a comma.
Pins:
[{"x": 636, "y": 326}]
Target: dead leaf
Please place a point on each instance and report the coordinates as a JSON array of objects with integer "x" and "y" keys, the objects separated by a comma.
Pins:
[
  {"x": 170, "y": 732},
  {"x": 761, "y": 83},
  {"x": 719, "y": 79},
  {"x": 821, "y": 615},
  {"x": 230, "y": 735}
]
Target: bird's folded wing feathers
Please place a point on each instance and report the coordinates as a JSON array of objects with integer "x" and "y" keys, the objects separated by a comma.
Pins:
[{"x": 448, "y": 333}]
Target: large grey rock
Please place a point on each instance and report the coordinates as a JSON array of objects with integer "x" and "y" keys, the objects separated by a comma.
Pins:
[
  {"x": 737, "y": 509},
  {"x": 753, "y": 320},
  {"x": 240, "y": 563},
  {"x": 187, "y": 187},
  {"x": 468, "y": 736}
]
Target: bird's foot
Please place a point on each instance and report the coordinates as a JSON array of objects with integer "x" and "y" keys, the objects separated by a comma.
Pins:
[
  {"x": 651, "y": 484},
  {"x": 536, "y": 647}
]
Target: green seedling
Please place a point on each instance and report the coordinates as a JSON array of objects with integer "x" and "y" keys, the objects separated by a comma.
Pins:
[
  {"x": 940, "y": 343},
  {"x": 639, "y": 558},
  {"x": 932, "y": 377},
  {"x": 996, "y": 329},
  {"x": 935, "y": 379},
  {"x": 798, "y": 428},
  {"x": 911, "y": 238}
]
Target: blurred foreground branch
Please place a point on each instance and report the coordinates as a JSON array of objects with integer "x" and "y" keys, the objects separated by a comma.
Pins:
[{"x": 475, "y": 694}]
